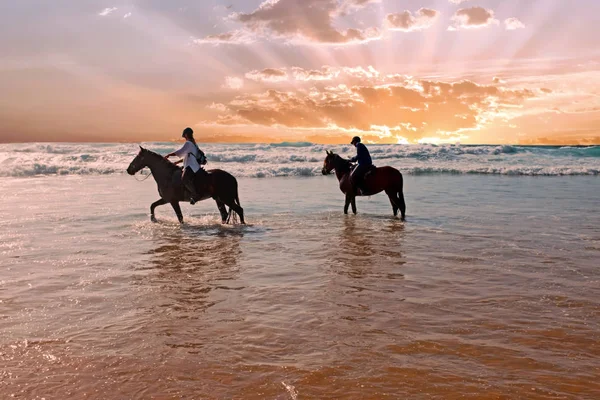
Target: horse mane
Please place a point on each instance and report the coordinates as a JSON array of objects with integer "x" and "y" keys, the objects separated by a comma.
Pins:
[
  {"x": 162, "y": 159},
  {"x": 341, "y": 164}
]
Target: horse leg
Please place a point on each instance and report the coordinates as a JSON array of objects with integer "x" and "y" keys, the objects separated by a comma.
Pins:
[
  {"x": 402, "y": 205},
  {"x": 222, "y": 210},
  {"x": 353, "y": 202},
  {"x": 235, "y": 207},
  {"x": 157, "y": 203},
  {"x": 348, "y": 200},
  {"x": 175, "y": 205},
  {"x": 393, "y": 200}
]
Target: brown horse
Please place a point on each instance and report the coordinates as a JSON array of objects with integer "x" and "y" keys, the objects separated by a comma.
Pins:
[
  {"x": 221, "y": 185},
  {"x": 386, "y": 179}
]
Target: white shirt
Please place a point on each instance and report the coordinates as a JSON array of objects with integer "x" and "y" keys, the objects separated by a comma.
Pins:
[{"x": 189, "y": 160}]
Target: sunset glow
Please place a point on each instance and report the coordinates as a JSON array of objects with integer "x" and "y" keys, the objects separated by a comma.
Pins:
[{"x": 417, "y": 71}]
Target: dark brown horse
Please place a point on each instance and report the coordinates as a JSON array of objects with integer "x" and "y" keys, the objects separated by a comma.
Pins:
[
  {"x": 386, "y": 179},
  {"x": 220, "y": 185}
]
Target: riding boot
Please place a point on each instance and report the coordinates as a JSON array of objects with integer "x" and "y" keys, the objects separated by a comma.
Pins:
[{"x": 189, "y": 184}]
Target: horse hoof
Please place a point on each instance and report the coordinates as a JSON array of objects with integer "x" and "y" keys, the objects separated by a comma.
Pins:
[{"x": 153, "y": 218}]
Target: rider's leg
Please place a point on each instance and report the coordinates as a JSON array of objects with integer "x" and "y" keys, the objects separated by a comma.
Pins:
[
  {"x": 358, "y": 176},
  {"x": 188, "y": 182}
]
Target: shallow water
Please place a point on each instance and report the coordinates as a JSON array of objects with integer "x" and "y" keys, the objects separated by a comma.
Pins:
[{"x": 489, "y": 290}]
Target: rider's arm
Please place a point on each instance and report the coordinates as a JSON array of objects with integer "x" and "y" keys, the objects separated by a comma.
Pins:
[{"x": 180, "y": 152}]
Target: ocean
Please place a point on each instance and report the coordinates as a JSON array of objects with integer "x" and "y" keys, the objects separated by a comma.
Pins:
[
  {"x": 305, "y": 159},
  {"x": 489, "y": 290}
]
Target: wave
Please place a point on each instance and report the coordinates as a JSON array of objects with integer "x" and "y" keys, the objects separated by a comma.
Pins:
[
  {"x": 306, "y": 171},
  {"x": 292, "y": 144},
  {"x": 304, "y": 159}
]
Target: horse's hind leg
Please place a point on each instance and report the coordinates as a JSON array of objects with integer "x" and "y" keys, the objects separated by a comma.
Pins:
[
  {"x": 234, "y": 205},
  {"x": 393, "y": 201},
  {"x": 222, "y": 210},
  {"x": 402, "y": 205},
  {"x": 175, "y": 205},
  {"x": 157, "y": 203}
]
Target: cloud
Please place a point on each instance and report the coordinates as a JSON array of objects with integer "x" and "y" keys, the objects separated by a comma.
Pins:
[
  {"x": 233, "y": 82},
  {"x": 127, "y": 15},
  {"x": 324, "y": 74},
  {"x": 413, "y": 109},
  {"x": 233, "y": 37},
  {"x": 513, "y": 23},
  {"x": 406, "y": 21},
  {"x": 300, "y": 20},
  {"x": 268, "y": 75},
  {"x": 217, "y": 106},
  {"x": 107, "y": 11},
  {"x": 457, "y": 1},
  {"x": 472, "y": 18}
]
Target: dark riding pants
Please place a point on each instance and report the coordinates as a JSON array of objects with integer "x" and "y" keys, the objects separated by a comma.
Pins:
[
  {"x": 358, "y": 175},
  {"x": 188, "y": 180}
]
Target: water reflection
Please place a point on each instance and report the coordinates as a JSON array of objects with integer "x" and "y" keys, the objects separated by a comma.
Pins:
[
  {"x": 367, "y": 246},
  {"x": 187, "y": 265}
]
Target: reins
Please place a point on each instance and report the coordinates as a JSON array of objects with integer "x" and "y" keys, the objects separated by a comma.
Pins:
[{"x": 142, "y": 180}]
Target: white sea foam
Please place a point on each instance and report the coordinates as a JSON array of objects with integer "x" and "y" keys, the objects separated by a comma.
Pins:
[{"x": 304, "y": 159}]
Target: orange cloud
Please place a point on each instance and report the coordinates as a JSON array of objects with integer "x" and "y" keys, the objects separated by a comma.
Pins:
[
  {"x": 406, "y": 109},
  {"x": 268, "y": 75}
]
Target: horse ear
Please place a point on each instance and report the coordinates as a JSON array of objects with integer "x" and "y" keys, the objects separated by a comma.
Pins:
[
  {"x": 327, "y": 151},
  {"x": 141, "y": 148}
]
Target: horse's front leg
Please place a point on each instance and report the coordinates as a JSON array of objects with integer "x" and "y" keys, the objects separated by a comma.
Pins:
[
  {"x": 157, "y": 203},
  {"x": 353, "y": 202},
  {"x": 175, "y": 205},
  {"x": 348, "y": 201}
]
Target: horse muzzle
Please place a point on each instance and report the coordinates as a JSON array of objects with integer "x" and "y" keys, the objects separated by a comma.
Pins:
[{"x": 324, "y": 171}]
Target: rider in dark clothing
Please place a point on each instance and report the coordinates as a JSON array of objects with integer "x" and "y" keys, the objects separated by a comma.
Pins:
[{"x": 364, "y": 163}]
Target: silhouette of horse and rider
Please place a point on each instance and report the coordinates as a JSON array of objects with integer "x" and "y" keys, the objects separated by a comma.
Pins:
[
  {"x": 365, "y": 179},
  {"x": 192, "y": 183}
]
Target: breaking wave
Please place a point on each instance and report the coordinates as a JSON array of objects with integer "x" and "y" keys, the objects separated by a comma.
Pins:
[{"x": 305, "y": 159}]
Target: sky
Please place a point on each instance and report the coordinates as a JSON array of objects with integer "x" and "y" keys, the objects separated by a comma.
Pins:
[{"x": 389, "y": 71}]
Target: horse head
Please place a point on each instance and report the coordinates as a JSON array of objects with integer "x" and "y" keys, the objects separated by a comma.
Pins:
[
  {"x": 138, "y": 162},
  {"x": 328, "y": 164}
]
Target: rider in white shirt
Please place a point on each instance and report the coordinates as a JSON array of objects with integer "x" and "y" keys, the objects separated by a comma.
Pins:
[{"x": 190, "y": 154}]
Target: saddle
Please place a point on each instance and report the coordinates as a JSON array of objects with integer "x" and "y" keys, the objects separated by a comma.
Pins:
[
  {"x": 371, "y": 170},
  {"x": 201, "y": 181}
]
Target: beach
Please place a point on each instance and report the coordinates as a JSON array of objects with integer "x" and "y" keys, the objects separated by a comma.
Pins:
[{"x": 489, "y": 290}]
